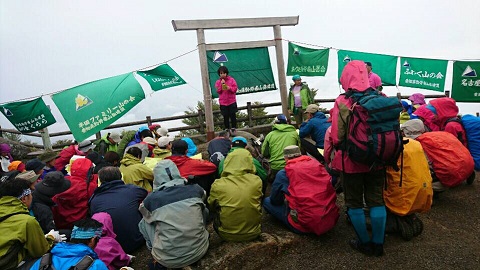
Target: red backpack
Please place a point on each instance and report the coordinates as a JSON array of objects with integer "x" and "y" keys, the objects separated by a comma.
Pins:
[{"x": 311, "y": 196}]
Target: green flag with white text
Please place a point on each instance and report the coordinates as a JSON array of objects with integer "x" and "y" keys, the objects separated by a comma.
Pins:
[
  {"x": 28, "y": 116},
  {"x": 383, "y": 65},
  {"x": 423, "y": 73},
  {"x": 161, "y": 77},
  {"x": 306, "y": 62},
  {"x": 250, "y": 68},
  {"x": 466, "y": 81},
  {"x": 90, "y": 107}
]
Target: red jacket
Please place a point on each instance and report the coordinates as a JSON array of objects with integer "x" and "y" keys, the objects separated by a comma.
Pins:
[
  {"x": 72, "y": 204},
  {"x": 189, "y": 166},
  {"x": 447, "y": 109},
  {"x": 65, "y": 156}
]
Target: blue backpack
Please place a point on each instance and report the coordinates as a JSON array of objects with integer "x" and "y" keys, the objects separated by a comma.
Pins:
[{"x": 471, "y": 124}]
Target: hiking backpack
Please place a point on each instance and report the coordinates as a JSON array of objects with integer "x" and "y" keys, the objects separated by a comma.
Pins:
[
  {"x": 471, "y": 124},
  {"x": 373, "y": 131}
]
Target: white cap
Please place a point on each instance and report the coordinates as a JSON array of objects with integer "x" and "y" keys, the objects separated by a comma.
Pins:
[{"x": 164, "y": 141}]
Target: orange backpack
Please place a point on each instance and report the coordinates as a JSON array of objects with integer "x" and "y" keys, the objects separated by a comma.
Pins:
[{"x": 411, "y": 192}]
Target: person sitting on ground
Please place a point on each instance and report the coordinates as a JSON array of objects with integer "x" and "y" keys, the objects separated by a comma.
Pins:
[
  {"x": 82, "y": 149},
  {"x": 108, "y": 142},
  {"x": 174, "y": 219},
  {"x": 240, "y": 142},
  {"x": 315, "y": 126},
  {"x": 164, "y": 147},
  {"x": 158, "y": 131},
  {"x": 196, "y": 171},
  {"x": 428, "y": 118},
  {"x": 112, "y": 159},
  {"x": 5, "y": 156},
  {"x": 48, "y": 157},
  {"x": 72, "y": 204},
  {"x": 16, "y": 165},
  {"x": 21, "y": 237},
  {"x": 219, "y": 147},
  {"x": 134, "y": 171},
  {"x": 141, "y": 134},
  {"x": 35, "y": 165},
  {"x": 85, "y": 235},
  {"x": 281, "y": 136},
  {"x": 108, "y": 249},
  {"x": 97, "y": 160},
  {"x": 235, "y": 199},
  {"x": 302, "y": 196},
  {"x": 30, "y": 176},
  {"x": 417, "y": 99},
  {"x": 121, "y": 202},
  {"x": 53, "y": 184},
  {"x": 447, "y": 118}
]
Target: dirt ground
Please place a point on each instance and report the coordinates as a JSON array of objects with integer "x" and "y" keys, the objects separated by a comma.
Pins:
[{"x": 450, "y": 240}]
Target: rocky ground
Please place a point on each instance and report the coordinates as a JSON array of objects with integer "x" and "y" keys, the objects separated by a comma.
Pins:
[{"x": 450, "y": 240}]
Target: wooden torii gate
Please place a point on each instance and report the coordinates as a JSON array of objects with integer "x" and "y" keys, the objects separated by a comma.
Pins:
[{"x": 201, "y": 25}]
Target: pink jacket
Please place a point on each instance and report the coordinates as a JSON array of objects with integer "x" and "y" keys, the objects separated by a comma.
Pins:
[
  {"x": 108, "y": 249},
  {"x": 446, "y": 109},
  {"x": 354, "y": 76},
  {"x": 428, "y": 117},
  {"x": 227, "y": 97}
]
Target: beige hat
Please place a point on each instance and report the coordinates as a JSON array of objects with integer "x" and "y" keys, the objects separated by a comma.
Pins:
[
  {"x": 312, "y": 108},
  {"x": 413, "y": 128},
  {"x": 150, "y": 140},
  {"x": 115, "y": 137},
  {"x": 291, "y": 151},
  {"x": 30, "y": 176},
  {"x": 164, "y": 141},
  {"x": 162, "y": 131}
]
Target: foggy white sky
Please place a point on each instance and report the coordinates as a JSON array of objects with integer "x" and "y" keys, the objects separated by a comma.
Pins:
[{"x": 47, "y": 46}]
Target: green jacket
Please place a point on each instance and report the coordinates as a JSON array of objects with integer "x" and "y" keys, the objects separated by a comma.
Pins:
[
  {"x": 104, "y": 145},
  {"x": 135, "y": 172},
  {"x": 281, "y": 136},
  {"x": 23, "y": 229},
  {"x": 305, "y": 96},
  {"x": 235, "y": 199},
  {"x": 161, "y": 153},
  {"x": 260, "y": 170}
]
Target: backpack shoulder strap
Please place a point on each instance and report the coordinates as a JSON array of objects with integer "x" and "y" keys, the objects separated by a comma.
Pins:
[
  {"x": 83, "y": 264},
  {"x": 46, "y": 262},
  {"x": 9, "y": 215}
]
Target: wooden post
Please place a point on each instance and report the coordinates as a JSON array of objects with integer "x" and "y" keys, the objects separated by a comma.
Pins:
[
  {"x": 149, "y": 120},
  {"x": 250, "y": 114},
  {"x": 1, "y": 135},
  {"x": 200, "y": 121},
  {"x": 399, "y": 96},
  {"x": 98, "y": 135},
  {"x": 282, "y": 80},
  {"x": 478, "y": 115},
  {"x": 207, "y": 95},
  {"x": 447, "y": 93},
  {"x": 47, "y": 145}
]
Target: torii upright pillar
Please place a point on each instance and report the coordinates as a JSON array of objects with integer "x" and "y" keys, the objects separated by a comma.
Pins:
[{"x": 200, "y": 25}]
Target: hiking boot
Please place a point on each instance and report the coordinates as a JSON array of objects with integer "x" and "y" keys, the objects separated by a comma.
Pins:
[
  {"x": 406, "y": 229},
  {"x": 365, "y": 248},
  {"x": 417, "y": 225},
  {"x": 471, "y": 178},
  {"x": 377, "y": 249}
]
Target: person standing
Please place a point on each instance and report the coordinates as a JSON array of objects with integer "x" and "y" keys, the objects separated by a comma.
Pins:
[
  {"x": 298, "y": 99},
  {"x": 227, "y": 88},
  {"x": 362, "y": 183},
  {"x": 373, "y": 79}
]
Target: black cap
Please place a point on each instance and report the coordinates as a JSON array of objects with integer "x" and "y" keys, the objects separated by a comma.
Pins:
[
  {"x": 179, "y": 147},
  {"x": 53, "y": 183},
  {"x": 35, "y": 165},
  {"x": 368, "y": 64}
]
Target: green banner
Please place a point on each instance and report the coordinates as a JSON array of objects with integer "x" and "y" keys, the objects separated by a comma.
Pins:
[
  {"x": 28, "y": 116},
  {"x": 306, "y": 62},
  {"x": 466, "y": 82},
  {"x": 161, "y": 77},
  {"x": 383, "y": 65},
  {"x": 423, "y": 73},
  {"x": 90, "y": 107},
  {"x": 250, "y": 68}
]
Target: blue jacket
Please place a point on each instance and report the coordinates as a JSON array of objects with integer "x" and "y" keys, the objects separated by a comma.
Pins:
[
  {"x": 121, "y": 202},
  {"x": 66, "y": 255},
  {"x": 316, "y": 127},
  {"x": 279, "y": 188}
]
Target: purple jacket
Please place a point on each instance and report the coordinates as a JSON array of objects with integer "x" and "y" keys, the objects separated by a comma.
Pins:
[{"x": 108, "y": 249}]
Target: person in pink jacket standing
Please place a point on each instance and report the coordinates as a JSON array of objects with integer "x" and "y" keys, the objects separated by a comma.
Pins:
[{"x": 227, "y": 88}]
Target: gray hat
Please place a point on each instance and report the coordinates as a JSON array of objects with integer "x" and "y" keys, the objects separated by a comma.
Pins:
[
  {"x": 291, "y": 151},
  {"x": 30, "y": 176},
  {"x": 53, "y": 183},
  {"x": 35, "y": 165},
  {"x": 85, "y": 146},
  {"x": 413, "y": 128}
]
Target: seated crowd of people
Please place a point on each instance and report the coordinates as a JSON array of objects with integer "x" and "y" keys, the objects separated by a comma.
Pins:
[{"x": 94, "y": 204}]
